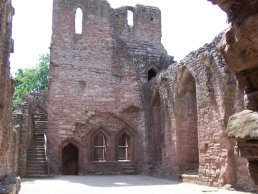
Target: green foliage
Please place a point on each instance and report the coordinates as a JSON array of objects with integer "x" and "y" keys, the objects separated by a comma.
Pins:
[{"x": 31, "y": 80}]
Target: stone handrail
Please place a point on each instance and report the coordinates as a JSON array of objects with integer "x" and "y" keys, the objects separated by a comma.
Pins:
[{"x": 46, "y": 152}]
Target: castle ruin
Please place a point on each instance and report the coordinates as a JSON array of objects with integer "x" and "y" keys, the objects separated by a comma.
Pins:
[{"x": 118, "y": 104}]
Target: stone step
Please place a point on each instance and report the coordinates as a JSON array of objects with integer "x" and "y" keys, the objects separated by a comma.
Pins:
[
  {"x": 35, "y": 153},
  {"x": 38, "y": 172},
  {"x": 37, "y": 147},
  {"x": 36, "y": 159},
  {"x": 36, "y": 168},
  {"x": 37, "y": 164},
  {"x": 38, "y": 176}
]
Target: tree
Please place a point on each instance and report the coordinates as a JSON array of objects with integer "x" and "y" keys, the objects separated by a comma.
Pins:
[{"x": 31, "y": 80}]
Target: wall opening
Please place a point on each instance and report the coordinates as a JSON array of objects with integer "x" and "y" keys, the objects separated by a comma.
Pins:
[
  {"x": 187, "y": 125},
  {"x": 70, "y": 155},
  {"x": 156, "y": 133},
  {"x": 100, "y": 147},
  {"x": 124, "y": 148},
  {"x": 253, "y": 169},
  {"x": 151, "y": 74},
  {"x": 130, "y": 18},
  {"x": 78, "y": 21}
]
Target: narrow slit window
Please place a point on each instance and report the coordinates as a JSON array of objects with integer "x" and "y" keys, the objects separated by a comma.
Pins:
[
  {"x": 129, "y": 18},
  {"x": 78, "y": 21}
]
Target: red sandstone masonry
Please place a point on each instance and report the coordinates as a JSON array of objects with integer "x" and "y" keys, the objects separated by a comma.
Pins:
[
  {"x": 7, "y": 144},
  {"x": 200, "y": 83},
  {"x": 97, "y": 77}
]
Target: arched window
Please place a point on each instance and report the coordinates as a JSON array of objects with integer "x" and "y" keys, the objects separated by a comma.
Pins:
[
  {"x": 151, "y": 74},
  {"x": 100, "y": 147},
  {"x": 129, "y": 18},
  {"x": 124, "y": 147},
  {"x": 78, "y": 21}
]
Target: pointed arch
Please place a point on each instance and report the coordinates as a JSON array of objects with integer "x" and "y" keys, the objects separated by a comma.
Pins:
[
  {"x": 99, "y": 142},
  {"x": 187, "y": 123},
  {"x": 78, "y": 21},
  {"x": 70, "y": 159},
  {"x": 156, "y": 131},
  {"x": 125, "y": 145},
  {"x": 99, "y": 147}
]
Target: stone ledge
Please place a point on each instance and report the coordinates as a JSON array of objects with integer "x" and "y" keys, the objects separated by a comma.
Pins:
[{"x": 243, "y": 125}]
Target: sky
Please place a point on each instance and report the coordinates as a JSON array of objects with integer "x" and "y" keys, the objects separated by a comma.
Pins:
[{"x": 186, "y": 26}]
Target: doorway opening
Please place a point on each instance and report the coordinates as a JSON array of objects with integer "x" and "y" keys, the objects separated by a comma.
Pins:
[{"x": 70, "y": 155}]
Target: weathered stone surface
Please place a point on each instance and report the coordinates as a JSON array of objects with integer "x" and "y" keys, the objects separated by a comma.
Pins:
[
  {"x": 97, "y": 79},
  {"x": 239, "y": 10},
  {"x": 186, "y": 113},
  {"x": 7, "y": 135},
  {"x": 239, "y": 48},
  {"x": 115, "y": 80},
  {"x": 240, "y": 45},
  {"x": 243, "y": 125}
]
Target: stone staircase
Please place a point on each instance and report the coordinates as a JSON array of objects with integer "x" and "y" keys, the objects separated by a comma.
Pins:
[
  {"x": 37, "y": 165},
  {"x": 129, "y": 168}
]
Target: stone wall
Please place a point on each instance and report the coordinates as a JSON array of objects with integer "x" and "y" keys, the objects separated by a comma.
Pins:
[
  {"x": 187, "y": 109},
  {"x": 9, "y": 137},
  {"x": 6, "y": 90},
  {"x": 239, "y": 48},
  {"x": 97, "y": 79}
]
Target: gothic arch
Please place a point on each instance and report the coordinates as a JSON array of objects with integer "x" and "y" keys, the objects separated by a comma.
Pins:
[
  {"x": 71, "y": 157},
  {"x": 125, "y": 145},
  {"x": 187, "y": 123},
  {"x": 100, "y": 139}
]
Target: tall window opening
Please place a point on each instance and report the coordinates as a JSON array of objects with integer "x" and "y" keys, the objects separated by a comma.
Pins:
[
  {"x": 151, "y": 74},
  {"x": 100, "y": 147},
  {"x": 78, "y": 21},
  {"x": 124, "y": 147},
  {"x": 129, "y": 18}
]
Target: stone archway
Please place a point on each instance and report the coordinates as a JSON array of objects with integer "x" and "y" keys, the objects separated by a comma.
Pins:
[
  {"x": 187, "y": 125},
  {"x": 70, "y": 159}
]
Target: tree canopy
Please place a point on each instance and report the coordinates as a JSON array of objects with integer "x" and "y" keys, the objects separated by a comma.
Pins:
[{"x": 32, "y": 79}]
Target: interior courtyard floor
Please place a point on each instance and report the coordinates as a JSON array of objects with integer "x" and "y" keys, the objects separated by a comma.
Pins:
[{"x": 114, "y": 185}]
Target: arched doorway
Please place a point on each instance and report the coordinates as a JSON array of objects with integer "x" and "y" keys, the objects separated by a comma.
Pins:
[{"x": 70, "y": 157}]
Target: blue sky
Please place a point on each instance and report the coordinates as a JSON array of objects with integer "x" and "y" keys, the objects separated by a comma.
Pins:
[{"x": 186, "y": 26}]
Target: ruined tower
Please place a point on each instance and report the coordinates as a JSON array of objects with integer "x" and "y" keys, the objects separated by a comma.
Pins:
[{"x": 95, "y": 103}]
